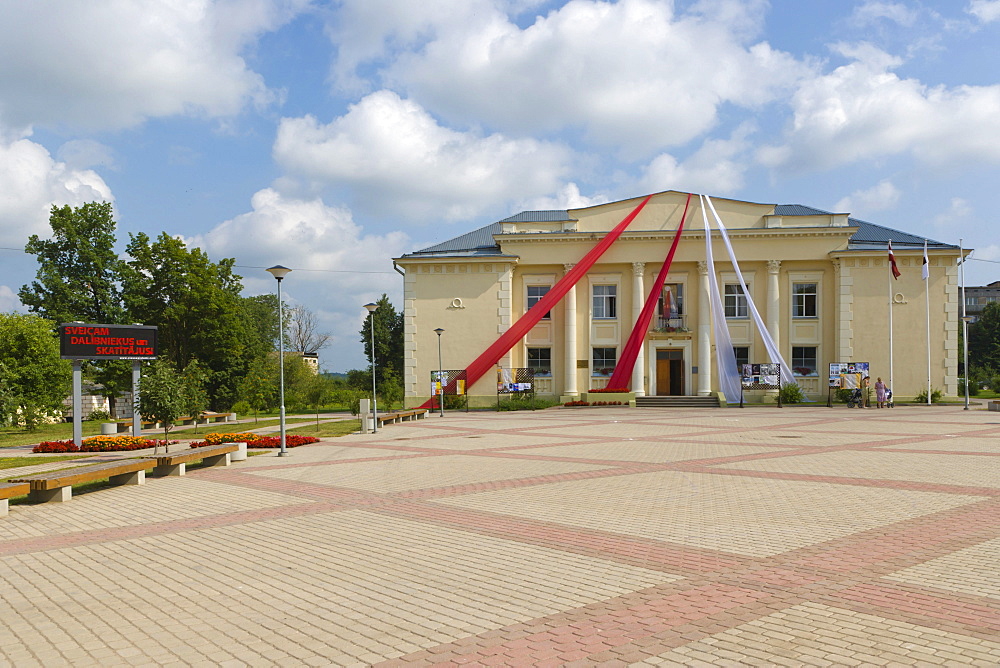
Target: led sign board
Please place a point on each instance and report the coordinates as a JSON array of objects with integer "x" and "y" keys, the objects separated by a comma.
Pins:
[{"x": 80, "y": 341}]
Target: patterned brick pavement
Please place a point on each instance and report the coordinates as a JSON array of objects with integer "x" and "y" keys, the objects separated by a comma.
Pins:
[{"x": 803, "y": 536}]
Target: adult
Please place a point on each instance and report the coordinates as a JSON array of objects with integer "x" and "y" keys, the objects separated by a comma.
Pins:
[{"x": 880, "y": 393}]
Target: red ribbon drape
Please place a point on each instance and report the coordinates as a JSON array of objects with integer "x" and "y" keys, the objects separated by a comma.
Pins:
[
  {"x": 622, "y": 376},
  {"x": 488, "y": 359}
]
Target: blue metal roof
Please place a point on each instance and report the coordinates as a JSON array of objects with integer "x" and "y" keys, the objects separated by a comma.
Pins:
[
  {"x": 869, "y": 235},
  {"x": 479, "y": 242},
  {"x": 550, "y": 216}
]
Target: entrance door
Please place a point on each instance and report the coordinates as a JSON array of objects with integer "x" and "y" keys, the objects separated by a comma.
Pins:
[{"x": 669, "y": 372}]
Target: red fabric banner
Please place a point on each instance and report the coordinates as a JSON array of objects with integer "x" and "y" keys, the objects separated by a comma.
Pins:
[
  {"x": 488, "y": 359},
  {"x": 622, "y": 376}
]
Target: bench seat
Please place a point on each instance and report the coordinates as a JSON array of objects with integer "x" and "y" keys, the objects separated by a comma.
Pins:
[
  {"x": 9, "y": 490},
  {"x": 176, "y": 464},
  {"x": 402, "y": 416},
  {"x": 57, "y": 486}
]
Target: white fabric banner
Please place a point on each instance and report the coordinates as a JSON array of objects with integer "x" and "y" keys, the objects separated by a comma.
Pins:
[
  {"x": 725, "y": 358},
  {"x": 772, "y": 350}
]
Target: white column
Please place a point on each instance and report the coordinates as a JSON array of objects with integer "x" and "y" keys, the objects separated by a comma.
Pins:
[
  {"x": 704, "y": 333},
  {"x": 773, "y": 301},
  {"x": 569, "y": 357},
  {"x": 638, "y": 299}
]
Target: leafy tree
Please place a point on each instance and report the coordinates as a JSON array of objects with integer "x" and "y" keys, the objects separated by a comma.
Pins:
[
  {"x": 302, "y": 330},
  {"x": 78, "y": 269},
  {"x": 390, "y": 390},
  {"x": 260, "y": 325},
  {"x": 77, "y": 280},
  {"x": 318, "y": 392},
  {"x": 257, "y": 389},
  {"x": 35, "y": 379},
  {"x": 196, "y": 304},
  {"x": 161, "y": 395},
  {"x": 195, "y": 378},
  {"x": 984, "y": 338},
  {"x": 388, "y": 340}
]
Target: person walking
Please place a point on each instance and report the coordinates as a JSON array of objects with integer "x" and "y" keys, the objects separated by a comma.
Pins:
[{"x": 879, "y": 393}]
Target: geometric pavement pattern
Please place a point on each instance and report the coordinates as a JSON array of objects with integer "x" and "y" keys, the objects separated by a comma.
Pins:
[{"x": 577, "y": 537}]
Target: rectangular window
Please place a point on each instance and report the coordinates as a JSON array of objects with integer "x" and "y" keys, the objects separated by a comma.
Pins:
[
  {"x": 735, "y": 302},
  {"x": 540, "y": 360},
  {"x": 604, "y": 360},
  {"x": 742, "y": 356},
  {"x": 804, "y": 360},
  {"x": 605, "y": 301},
  {"x": 535, "y": 293},
  {"x": 671, "y": 304},
  {"x": 804, "y": 300}
]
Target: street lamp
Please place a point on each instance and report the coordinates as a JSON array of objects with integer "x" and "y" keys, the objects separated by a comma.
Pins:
[
  {"x": 279, "y": 273},
  {"x": 371, "y": 311},
  {"x": 439, "y": 332},
  {"x": 965, "y": 324}
]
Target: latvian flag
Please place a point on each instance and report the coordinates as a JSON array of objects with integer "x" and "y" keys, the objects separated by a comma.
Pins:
[{"x": 892, "y": 262}]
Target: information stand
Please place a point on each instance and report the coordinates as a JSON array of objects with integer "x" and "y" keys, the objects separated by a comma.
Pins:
[
  {"x": 519, "y": 382},
  {"x": 847, "y": 376},
  {"x": 449, "y": 382},
  {"x": 760, "y": 377}
]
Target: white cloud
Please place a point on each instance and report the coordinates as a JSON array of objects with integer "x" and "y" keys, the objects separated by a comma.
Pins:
[
  {"x": 896, "y": 12},
  {"x": 986, "y": 11},
  {"x": 336, "y": 267},
  {"x": 84, "y": 153},
  {"x": 8, "y": 300},
  {"x": 113, "y": 63},
  {"x": 399, "y": 161},
  {"x": 568, "y": 197},
  {"x": 630, "y": 74},
  {"x": 862, "y": 111},
  {"x": 31, "y": 182},
  {"x": 958, "y": 212},
  {"x": 718, "y": 167},
  {"x": 880, "y": 197}
]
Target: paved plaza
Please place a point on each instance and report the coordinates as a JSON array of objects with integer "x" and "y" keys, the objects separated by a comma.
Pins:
[{"x": 803, "y": 536}]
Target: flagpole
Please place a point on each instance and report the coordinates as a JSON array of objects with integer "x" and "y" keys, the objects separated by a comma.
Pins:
[
  {"x": 965, "y": 325},
  {"x": 927, "y": 306},
  {"x": 889, "y": 278}
]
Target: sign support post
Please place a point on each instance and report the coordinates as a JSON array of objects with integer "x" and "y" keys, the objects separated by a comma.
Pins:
[
  {"x": 136, "y": 418},
  {"x": 77, "y": 403}
]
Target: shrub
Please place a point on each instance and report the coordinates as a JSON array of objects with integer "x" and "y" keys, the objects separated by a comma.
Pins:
[
  {"x": 525, "y": 404},
  {"x": 791, "y": 394},
  {"x": 922, "y": 397},
  {"x": 99, "y": 416}
]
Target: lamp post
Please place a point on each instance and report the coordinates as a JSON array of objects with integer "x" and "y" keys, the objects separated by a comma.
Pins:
[
  {"x": 279, "y": 273},
  {"x": 371, "y": 311},
  {"x": 439, "y": 332},
  {"x": 965, "y": 324}
]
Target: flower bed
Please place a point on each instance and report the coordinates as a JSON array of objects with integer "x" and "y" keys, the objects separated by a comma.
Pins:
[
  {"x": 595, "y": 403},
  {"x": 610, "y": 390},
  {"x": 101, "y": 444},
  {"x": 256, "y": 440}
]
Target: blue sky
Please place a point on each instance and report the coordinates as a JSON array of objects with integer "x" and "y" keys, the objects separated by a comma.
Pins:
[{"x": 332, "y": 136}]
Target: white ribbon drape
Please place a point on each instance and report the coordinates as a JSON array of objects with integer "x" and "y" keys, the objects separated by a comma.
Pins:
[
  {"x": 772, "y": 349},
  {"x": 725, "y": 357}
]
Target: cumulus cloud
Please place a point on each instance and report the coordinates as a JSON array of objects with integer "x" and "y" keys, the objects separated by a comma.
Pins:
[
  {"x": 718, "y": 166},
  {"x": 31, "y": 182},
  {"x": 8, "y": 300},
  {"x": 880, "y": 197},
  {"x": 112, "y": 63},
  {"x": 986, "y": 11},
  {"x": 959, "y": 211},
  {"x": 568, "y": 197},
  {"x": 864, "y": 111},
  {"x": 399, "y": 161},
  {"x": 630, "y": 74},
  {"x": 896, "y": 12}
]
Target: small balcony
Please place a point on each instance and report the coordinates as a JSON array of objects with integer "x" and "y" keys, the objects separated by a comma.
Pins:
[{"x": 662, "y": 325}]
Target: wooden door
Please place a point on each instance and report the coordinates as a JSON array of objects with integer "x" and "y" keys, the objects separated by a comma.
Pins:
[{"x": 669, "y": 372}]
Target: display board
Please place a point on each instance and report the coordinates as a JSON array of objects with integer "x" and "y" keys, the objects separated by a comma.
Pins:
[
  {"x": 848, "y": 374},
  {"x": 766, "y": 376},
  {"x": 80, "y": 341}
]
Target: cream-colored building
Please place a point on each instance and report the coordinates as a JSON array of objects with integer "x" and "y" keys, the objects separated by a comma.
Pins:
[{"x": 820, "y": 281}]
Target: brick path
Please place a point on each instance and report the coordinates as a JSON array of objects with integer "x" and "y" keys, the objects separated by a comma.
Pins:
[{"x": 800, "y": 536}]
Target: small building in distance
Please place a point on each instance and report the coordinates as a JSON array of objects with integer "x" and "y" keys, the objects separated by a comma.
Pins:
[{"x": 976, "y": 298}]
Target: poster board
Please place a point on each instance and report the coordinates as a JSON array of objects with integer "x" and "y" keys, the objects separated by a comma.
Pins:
[{"x": 848, "y": 374}]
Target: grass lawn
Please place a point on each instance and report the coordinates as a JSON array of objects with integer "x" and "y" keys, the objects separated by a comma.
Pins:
[
  {"x": 327, "y": 429},
  {"x": 15, "y": 462},
  {"x": 11, "y": 436}
]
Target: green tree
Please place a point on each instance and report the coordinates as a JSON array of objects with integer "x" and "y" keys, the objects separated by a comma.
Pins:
[
  {"x": 984, "y": 338},
  {"x": 388, "y": 340},
  {"x": 196, "y": 305},
  {"x": 318, "y": 393},
  {"x": 195, "y": 378},
  {"x": 161, "y": 395},
  {"x": 78, "y": 270},
  {"x": 78, "y": 280},
  {"x": 35, "y": 378},
  {"x": 257, "y": 388}
]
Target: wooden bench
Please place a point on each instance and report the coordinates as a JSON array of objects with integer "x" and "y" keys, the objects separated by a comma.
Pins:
[
  {"x": 993, "y": 405},
  {"x": 211, "y": 455},
  {"x": 9, "y": 490},
  {"x": 57, "y": 486},
  {"x": 126, "y": 425},
  {"x": 402, "y": 416},
  {"x": 216, "y": 417}
]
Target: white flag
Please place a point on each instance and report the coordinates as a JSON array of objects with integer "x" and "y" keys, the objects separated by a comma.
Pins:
[{"x": 925, "y": 272}]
